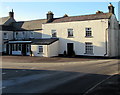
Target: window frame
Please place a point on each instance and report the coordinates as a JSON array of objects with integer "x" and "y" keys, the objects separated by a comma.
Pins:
[
  {"x": 31, "y": 34},
  {"x": 53, "y": 32},
  {"x": 5, "y": 37},
  {"x": 88, "y": 32},
  {"x": 16, "y": 35},
  {"x": 40, "y": 49},
  {"x": 89, "y": 48},
  {"x": 70, "y": 35}
]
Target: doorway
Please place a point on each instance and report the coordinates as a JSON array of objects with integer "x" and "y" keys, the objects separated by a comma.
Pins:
[{"x": 70, "y": 49}]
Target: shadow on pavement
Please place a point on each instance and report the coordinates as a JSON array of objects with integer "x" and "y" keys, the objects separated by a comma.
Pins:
[{"x": 45, "y": 82}]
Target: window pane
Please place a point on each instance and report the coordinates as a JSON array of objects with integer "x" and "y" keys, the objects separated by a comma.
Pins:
[
  {"x": 88, "y": 32},
  {"x": 88, "y": 48},
  {"x": 70, "y": 32},
  {"x": 40, "y": 49},
  {"x": 5, "y": 36},
  {"x": 54, "y": 33}
]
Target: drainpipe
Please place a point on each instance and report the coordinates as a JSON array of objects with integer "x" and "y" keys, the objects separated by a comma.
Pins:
[{"x": 106, "y": 42}]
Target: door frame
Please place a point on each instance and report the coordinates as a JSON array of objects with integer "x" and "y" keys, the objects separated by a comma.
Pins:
[{"x": 70, "y": 49}]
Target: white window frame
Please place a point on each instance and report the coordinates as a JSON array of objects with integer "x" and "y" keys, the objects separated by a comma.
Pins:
[
  {"x": 5, "y": 35},
  {"x": 88, "y": 32},
  {"x": 40, "y": 49},
  {"x": 70, "y": 32},
  {"x": 88, "y": 48},
  {"x": 53, "y": 33}
]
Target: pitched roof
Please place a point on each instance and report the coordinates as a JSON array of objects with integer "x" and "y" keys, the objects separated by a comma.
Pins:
[
  {"x": 83, "y": 17},
  {"x": 46, "y": 41},
  {"x": 3, "y": 20},
  {"x": 6, "y": 28},
  {"x": 29, "y": 25}
]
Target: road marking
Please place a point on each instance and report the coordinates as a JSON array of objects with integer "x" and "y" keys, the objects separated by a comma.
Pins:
[{"x": 97, "y": 85}]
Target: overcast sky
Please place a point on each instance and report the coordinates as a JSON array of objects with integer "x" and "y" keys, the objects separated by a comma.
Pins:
[{"x": 37, "y": 10}]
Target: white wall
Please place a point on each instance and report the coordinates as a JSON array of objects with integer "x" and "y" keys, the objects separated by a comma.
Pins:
[
  {"x": 53, "y": 49},
  {"x": 48, "y": 50},
  {"x": 119, "y": 43},
  {"x": 10, "y": 37},
  {"x": 27, "y": 34},
  {"x": 38, "y": 34},
  {"x": 98, "y": 32},
  {"x": 1, "y": 39},
  {"x": 113, "y": 37},
  {"x": 35, "y": 50}
]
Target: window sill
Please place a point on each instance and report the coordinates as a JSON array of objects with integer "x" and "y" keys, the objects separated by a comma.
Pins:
[
  {"x": 5, "y": 39},
  {"x": 53, "y": 37},
  {"x": 40, "y": 53},
  {"x": 88, "y": 36},
  {"x": 70, "y": 37},
  {"x": 89, "y": 53}
]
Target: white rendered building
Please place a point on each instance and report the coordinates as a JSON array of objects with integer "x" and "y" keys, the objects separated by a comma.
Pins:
[{"x": 87, "y": 35}]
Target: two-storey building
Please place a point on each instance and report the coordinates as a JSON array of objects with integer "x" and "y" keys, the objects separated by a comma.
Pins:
[{"x": 87, "y": 35}]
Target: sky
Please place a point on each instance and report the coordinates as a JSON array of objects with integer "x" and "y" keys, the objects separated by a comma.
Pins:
[{"x": 37, "y": 10}]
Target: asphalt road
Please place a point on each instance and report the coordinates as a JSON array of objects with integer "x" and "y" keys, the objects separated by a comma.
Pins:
[{"x": 56, "y": 78}]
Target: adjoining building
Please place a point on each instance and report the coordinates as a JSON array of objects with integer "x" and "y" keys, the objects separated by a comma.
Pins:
[{"x": 87, "y": 35}]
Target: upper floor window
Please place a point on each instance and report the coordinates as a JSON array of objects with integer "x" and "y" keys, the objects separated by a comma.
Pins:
[
  {"x": 70, "y": 32},
  {"x": 17, "y": 36},
  {"x": 5, "y": 35},
  {"x": 88, "y": 48},
  {"x": 54, "y": 33},
  {"x": 88, "y": 32},
  {"x": 31, "y": 34}
]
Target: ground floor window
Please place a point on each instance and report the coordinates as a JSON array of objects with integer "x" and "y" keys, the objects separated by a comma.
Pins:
[
  {"x": 40, "y": 49},
  {"x": 16, "y": 47},
  {"x": 28, "y": 48},
  {"x": 20, "y": 47},
  {"x": 5, "y": 47},
  {"x": 88, "y": 48}
]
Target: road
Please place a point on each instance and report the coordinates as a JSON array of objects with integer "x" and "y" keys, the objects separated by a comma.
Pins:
[{"x": 56, "y": 78}]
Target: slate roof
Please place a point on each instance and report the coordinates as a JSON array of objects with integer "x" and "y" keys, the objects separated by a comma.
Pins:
[
  {"x": 29, "y": 25},
  {"x": 46, "y": 41},
  {"x": 6, "y": 28},
  {"x": 83, "y": 17},
  {"x": 37, "y": 24},
  {"x": 3, "y": 20}
]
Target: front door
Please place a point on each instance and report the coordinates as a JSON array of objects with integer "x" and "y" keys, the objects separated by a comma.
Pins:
[
  {"x": 24, "y": 49},
  {"x": 70, "y": 49}
]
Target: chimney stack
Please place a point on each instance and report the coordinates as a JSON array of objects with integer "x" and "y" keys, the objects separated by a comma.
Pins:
[
  {"x": 11, "y": 14},
  {"x": 50, "y": 16},
  {"x": 111, "y": 8}
]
